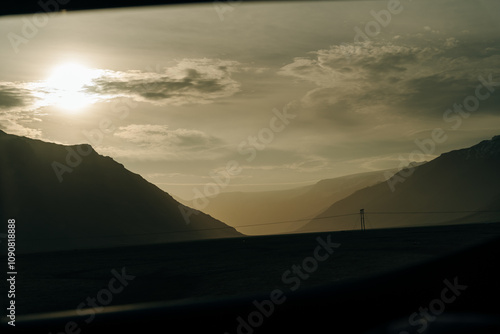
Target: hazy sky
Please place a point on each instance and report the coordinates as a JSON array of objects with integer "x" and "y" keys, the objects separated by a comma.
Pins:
[{"x": 288, "y": 93}]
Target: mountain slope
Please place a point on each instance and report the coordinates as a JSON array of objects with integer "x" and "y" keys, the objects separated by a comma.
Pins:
[
  {"x": 99, "y": 203},
  {"x": 248, "y": 208},
  {"x": 461, "y": 180}
]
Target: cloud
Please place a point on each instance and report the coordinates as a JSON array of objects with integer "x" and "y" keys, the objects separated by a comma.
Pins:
[
  {"x": 159, "y": 142},
  {"x": 11, "y": 96},
  {"x": 366, "y": 83},
  {"x": 17, "y": 96},
  {"x": 190, "y": 81},
  {"x": 353, "y": 62},
  {"x": 15, "y": 115},
  {"x": 18, "y": 125},
  {"x": 150, "y": 134},
  {"x": 451, "y": 42}
]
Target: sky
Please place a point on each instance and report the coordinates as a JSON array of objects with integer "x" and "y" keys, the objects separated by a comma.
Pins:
[{"x": 233, "y": 96}]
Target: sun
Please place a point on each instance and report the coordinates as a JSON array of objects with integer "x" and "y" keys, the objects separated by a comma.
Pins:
[{"x": 66, "y": 86}]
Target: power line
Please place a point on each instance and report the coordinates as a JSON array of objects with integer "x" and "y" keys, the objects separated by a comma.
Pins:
[
  {"x": 428, "y": 212},
  {"x": 262, "y": 224},
  {"x": 298, "y": 220},
  {"x": 190, "y": 231}
]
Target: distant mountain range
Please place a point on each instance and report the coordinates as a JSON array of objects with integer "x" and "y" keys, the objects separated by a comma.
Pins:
[
  {"x": 461, "y": 186},
  {"x": 297, "y": 204},
  {"x": 70, "y": 197}
]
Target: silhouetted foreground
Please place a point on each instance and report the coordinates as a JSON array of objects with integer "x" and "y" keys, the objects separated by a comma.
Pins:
[{"x": 229, "y": 267}]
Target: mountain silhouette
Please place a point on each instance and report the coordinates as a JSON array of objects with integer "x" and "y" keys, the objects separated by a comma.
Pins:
[
  {"x": 70, "y": 197},
  {"x": 461, "y": 186}
]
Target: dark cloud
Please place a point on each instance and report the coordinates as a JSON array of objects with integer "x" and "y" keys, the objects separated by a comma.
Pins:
[
  {"x": 160, "y": 88},
  {"x": 12, "y": 97},
  {"x": 191, "y": 81},
  {"x": 432, "y": 94},
  {"x": 364, "y": 82}
]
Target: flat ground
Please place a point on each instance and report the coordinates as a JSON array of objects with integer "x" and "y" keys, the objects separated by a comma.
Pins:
[{"x": 61, "y": 281}]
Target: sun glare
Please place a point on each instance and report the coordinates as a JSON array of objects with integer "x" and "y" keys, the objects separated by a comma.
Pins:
[{"x": 66, "y": 84}]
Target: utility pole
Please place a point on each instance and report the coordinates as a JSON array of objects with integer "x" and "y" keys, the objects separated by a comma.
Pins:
[{"x": 362, "y": 216}]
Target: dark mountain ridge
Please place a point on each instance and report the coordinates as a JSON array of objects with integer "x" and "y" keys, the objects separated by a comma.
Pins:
[
  {"x": 457, "y": 183},
  {"x": 70, "y": 197}
]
